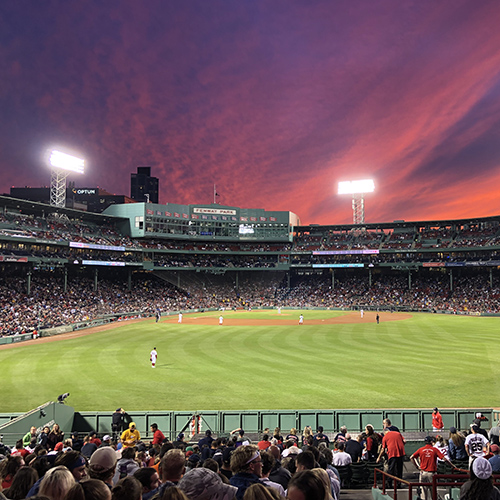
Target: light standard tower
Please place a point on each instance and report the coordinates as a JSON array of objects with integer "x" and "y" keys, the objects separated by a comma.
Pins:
[
  {"x": 62, "y": 164},
  {"x": 357, "y": 189}
]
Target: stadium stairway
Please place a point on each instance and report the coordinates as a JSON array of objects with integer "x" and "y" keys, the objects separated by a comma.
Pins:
[{"x": 44, "y": 415}]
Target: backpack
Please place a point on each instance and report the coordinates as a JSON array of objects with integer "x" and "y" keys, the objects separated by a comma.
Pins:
[{"x": 123, "y": 471}]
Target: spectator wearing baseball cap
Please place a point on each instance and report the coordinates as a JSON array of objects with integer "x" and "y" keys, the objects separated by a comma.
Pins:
[
  {"x": 437, "y": 420},
  {"x": 425, "y": 460},
  {"x": 131, "y": 436},
  {"x": 477, "y": 423},
  {"x": 102, "y": 465},
  {"x": 106, "y": 441},
  {"x": 205, "y": 484},
  {"x": 495, "y": 459}
]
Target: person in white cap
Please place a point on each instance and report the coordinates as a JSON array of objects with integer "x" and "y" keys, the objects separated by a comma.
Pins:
[{"x": 480, "y": 487}]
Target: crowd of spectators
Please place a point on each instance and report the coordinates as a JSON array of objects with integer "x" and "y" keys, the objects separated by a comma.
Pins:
[
  {"x": 127, "y": 466},
  {"x": 48, "y": 305}
]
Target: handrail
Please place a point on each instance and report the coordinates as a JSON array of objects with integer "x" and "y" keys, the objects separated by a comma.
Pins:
[
  {"x": 435, "y": 481},
  {"x": 395, "y": 482}
]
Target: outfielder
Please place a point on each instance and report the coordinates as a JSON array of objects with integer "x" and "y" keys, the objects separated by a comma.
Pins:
[{"x": 152, "y": 357}]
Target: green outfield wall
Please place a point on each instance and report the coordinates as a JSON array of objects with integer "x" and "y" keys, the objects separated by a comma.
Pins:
[{"x": 414, "y": 421}]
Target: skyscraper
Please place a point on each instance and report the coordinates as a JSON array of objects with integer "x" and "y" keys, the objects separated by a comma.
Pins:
[{"x": 142, "y": 184}]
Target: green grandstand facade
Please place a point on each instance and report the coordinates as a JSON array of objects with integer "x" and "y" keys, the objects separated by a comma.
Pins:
[{"x": 204, "y": 222}]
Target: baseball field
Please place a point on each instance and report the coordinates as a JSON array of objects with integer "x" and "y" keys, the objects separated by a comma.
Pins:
[{"x": 261, "y": 360}]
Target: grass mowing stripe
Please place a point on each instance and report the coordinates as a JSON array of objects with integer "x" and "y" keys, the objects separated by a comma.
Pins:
[{"x": 423, "y": 361}]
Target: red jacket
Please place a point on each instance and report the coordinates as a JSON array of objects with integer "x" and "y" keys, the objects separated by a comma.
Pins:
[{"x": 437, "y": 420}]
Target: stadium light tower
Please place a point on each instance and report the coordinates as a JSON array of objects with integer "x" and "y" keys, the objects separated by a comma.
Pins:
[
  {"x": 62, "y": 164},
  {"x": 357, "y": 189}
]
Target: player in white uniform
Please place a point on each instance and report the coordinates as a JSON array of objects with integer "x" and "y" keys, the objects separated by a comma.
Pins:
[
  {"x": 180, "y": 318},
  {"x": 221, "y": 320},
  {"x": 152, "y": 357},
  {"x": 279, "y": 310},
  {"x": 301, "y": 319},
  {"x": 362, "y": 313}
]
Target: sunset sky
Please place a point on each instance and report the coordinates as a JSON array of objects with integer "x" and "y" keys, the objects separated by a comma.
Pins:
[{"x": 274, "y": 101}]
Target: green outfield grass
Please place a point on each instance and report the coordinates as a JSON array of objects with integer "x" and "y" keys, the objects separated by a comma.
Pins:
[{"x": 426, "y": 361}]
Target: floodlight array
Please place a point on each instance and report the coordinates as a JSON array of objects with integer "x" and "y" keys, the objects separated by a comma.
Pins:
[
  {"x": 354, "y": 187},
  {"x": 65, "y": 161}
]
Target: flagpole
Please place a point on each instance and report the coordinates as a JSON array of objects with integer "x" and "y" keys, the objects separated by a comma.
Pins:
[{"x": 215, "y": 193}]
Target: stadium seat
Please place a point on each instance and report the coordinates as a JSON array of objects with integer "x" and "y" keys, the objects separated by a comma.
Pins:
[
  {"x": 371, "y": 466},
  {"x": 360, "y": 475},
  {"x": 345, "y": 473},
  {"x": 461, "y": 464}
]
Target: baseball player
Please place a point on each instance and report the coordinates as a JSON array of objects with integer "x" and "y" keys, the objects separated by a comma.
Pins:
[{"x": 152, "y": 357}]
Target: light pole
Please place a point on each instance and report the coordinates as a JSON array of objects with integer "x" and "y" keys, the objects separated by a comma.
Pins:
[
  {"x": 62, "y": 164},
  {"x": 357, "y": 189}
]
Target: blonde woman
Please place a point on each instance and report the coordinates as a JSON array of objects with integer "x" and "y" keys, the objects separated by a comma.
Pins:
[
  {"x": 260, "y": 492},
  {"x": 56, "y": 483},
  {"x": 325, "y": 478},
  {"x": 55, "y": 436},
  {"x": 307, "y": 432},
  {"x": 292, "y": 436}
]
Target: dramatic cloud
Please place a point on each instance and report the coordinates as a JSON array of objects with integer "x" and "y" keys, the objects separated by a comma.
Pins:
[{"x": 275, "y": 102}]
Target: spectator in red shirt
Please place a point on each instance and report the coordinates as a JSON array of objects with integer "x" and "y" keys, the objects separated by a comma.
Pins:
[
  {"x": 264, "y": 444},
  {"x": 428, "y": 456},
  {"x": 437, "y": 421},
  {"x": 94, "y": 439},
  {"x": 20, "y": 449},
  {"x": 393, "y": 446},
  {"x": 158, "y": 436}
]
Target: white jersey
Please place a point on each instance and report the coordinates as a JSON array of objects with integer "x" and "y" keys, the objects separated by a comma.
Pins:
[
  {"x": 221, "y": 320},
  {"x": 153, "y": 355},
  {"x": 279, "y": 310},
  {"x": 180, "y": 318},
  {"x": 476, "y": 443},
  {"x": 301, "y": 319}
]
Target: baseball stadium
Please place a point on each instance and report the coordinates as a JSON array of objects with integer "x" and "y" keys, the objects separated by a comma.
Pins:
[{"x": 212, "y": 318}]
